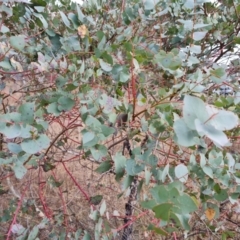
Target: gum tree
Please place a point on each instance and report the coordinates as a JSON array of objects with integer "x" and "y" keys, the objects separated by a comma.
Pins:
[{"x": 152, "y": 89}]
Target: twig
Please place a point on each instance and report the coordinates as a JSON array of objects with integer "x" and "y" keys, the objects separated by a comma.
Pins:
[
  {"x": 74, "y": 180},
  {"x": 16, "y": 212},
  {"x": 121, "y": 140},
  {"x": 175, "y": 236}
]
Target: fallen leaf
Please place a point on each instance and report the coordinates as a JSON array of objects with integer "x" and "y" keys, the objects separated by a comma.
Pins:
[
  {"x": 210, "y": 213},
  {"x": 82, "y": 31}
]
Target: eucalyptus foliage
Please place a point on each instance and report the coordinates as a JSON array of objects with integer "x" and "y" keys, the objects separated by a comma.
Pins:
[{"x": 160, "y": 62}]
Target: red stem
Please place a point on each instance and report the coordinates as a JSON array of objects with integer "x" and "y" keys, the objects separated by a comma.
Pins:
[
  {"x": 63, "y": 201},
  {"x": 132, "y": 221},
  {"x": 74, "y": 180},
  {"x": 16, "y": 213}
]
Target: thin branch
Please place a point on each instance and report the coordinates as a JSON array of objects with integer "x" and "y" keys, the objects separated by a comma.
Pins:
[
  {"x": 76, "y": 183},
  {"x": 16, "y": 212},
  {"x": 121, "y": 140}
]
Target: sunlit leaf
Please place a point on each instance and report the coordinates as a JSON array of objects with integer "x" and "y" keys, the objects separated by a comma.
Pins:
[
  {"x": 211, "y": 132},
  {"x": 181, "y": 172},
  {"x": 149, "y": 4},
  {"x": 10, "y": 130},
  {"x": 194, "y": 108},
  {"x": 197, "y": 36}
]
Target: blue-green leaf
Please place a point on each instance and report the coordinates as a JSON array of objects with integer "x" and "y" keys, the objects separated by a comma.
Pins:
[
  {"x": 119, "y": 162},
  {"x": 33, "y": 234},
  {"x": 105, "y": 66},
  {"x": 10, "y": 131},
  {"x": 53, "y": 109},
  {"x": 162, "y": 211},
  {"x": 194, "y": 108},
  {"x": 185, "y": 136},
  {"x": 65, "y": 19},
  {"x": 149, "y": 4},
  {"x": 27, "y": 112},
  {"x": 99, "y": 151},
  {"x": 42, "y": 19},
  {"x": 19, "y": 170},
  {"x": 81, "y": 16},
  {"x": 18, "y": 42},
  {"x": 217, "y": 136},
  {"x": 89, "y": 139},
  {"x": 133, "y": 168},
  {"x": 181, "y": 172},
  {"x": 189, "y": 4},
  {"x": 207, "y": 170},
  {"x": 33, "y": 146},
  {"x": 197, "y": 36},
  {"x": 14, "y": 148},
  {"x": 65, "y": 103},
  {"x": 221, "y": 119}
]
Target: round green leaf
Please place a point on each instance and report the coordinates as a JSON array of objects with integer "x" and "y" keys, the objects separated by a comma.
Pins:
[
  {"x": 27, "y": 112},
  {"x": 181, "y": 172},
  {"x": 221, "y": 119},
  {"x": 105, "y": 66},
  {"x": 98, "y": 152},
  {"x": 89, "y": 139},
  {"x": 197, "y": 36},
  {"x": 65, "y": 103},
  {"x": 18, "y": 42},
  {"x": 185, "y": 136},
  {"x": 4, "y": 29},
  {"x": 186, "y": 204},
  {"x": 119, "y": 162},
  {"x": 162, "y": 211},
  {"x": 189, "y": 4},
  {"x": 19, "y": 170},
  {"x": 10, "y": 131},
  {"x": 194, "y": 108},
  {"x": 53, "y": 108},
  {"x": 149, "y": 4},
  {"x": 26, "y": 131},
  {"x": 14, "y": 148},
  {"x": 133, "y": 168},
  {"x": 33, "y": 146},
  {"x": 217, "y": 136},
  {"x": 221, "y": 196}
]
